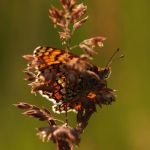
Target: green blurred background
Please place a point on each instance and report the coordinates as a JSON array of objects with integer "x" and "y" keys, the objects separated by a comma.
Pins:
[{"x": 125, "y": 125}]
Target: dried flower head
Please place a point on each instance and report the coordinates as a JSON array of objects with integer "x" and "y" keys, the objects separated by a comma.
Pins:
[
  {"x": 88, "y": 45},
  {"x": 71, "y": 82},
  {"x": 68, "y": 19},
  {"x": 57, "y": 17}
]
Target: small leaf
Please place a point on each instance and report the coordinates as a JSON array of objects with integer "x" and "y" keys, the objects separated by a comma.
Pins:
[
  {"x": 78, "y": 11},
  {"x": 87, "y": 49},
  {"x": 64, "y": 35},
  {"x": 79, "y": 23},
  {"x": 23, "y": 105},
  {"x": 57, "y": 16},
  {"x": 28, "y": 57},
  {"x": 94, "y": 41}
]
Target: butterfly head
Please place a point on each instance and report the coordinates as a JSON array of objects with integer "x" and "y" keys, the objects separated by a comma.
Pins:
[{"x": 104, "y": 73}]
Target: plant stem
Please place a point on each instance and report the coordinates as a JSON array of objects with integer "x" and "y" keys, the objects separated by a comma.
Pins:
[{"x": 63, "y": 145}]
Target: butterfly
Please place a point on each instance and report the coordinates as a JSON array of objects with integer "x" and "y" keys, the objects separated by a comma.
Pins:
[{"x": 70, "y": 81}]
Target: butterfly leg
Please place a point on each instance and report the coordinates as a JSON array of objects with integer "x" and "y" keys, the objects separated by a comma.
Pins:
[{"x": 66, "y": 114}]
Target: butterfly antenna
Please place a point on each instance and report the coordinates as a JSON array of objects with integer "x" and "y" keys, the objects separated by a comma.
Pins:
[{"x": 112, "y": 59}]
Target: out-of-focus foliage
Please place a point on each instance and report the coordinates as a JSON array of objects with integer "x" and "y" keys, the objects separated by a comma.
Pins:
[{"x": 126, "y": 124}]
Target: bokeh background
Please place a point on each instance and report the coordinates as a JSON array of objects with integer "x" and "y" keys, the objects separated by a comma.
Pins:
[{"x": 125, "y": 125}]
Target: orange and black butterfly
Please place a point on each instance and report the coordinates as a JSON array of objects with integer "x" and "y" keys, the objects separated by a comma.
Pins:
[{"x": 66, "y": 79}]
